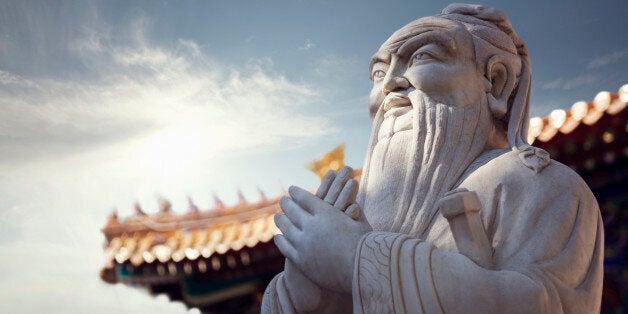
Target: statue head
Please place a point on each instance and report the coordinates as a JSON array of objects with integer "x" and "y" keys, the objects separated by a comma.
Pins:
[
  {"x": 465, "y": 53},
  {"x": 446, "y": 89}
]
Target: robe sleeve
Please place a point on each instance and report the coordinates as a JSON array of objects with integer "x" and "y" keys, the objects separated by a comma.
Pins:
[
  {"x": 282, "y": 297},
  {"x": 547, "y": 239},
  {"x": 276, "y": 298}
]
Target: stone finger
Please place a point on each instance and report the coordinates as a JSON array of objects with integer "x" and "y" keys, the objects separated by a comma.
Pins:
[
  {"x": 347, "y": 195},
  {"x": 293, "y": 211},
  {"x": 286, "y": 248},
  {"x": 288, "y": 229},
  {"x": 307, "y": 200},
  {"x": 342, "y": 177},
  {"x": 325, "y": 184},
  {"x": 354, "y": 211}
]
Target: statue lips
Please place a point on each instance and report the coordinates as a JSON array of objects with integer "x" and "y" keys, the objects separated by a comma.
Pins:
[
  {"x": 395, "y": 100},
  {"x": 397, "y": 117}
]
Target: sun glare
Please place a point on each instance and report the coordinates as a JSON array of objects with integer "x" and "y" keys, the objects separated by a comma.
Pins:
[
  {"x": 174, "y": 152},
  {"x": 172, "y": 149}
]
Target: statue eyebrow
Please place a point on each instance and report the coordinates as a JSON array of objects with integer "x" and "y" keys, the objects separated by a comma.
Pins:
[
  {"x": 380, "y": 56},
  {"x": 439, "y": 38}
]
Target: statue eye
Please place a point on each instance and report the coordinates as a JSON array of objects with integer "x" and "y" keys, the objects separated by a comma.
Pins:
[
  {"x": 378, "y": 74},
  {"x": 421, "y": 56}
]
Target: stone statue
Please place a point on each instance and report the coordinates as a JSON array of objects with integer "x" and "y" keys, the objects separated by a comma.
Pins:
[{"x": 455, "y": 211}]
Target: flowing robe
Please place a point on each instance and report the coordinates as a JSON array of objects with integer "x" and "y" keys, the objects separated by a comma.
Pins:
[{"x": 546, "y": 234}]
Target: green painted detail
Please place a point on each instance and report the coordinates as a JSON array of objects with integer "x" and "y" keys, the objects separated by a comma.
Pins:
[{"x": 123, "y": 272}]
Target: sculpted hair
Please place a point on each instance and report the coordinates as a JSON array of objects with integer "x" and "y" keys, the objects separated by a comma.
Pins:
[
  {"x": 494, "y": 35},
  {"x": 494, "y": 39}
]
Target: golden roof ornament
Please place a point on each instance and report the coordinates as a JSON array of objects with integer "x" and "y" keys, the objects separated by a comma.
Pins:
[{"x": 332, "y": 160}]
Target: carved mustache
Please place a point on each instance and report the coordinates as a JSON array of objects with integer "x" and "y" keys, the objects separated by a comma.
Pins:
[{"x": 394, "y": 100}]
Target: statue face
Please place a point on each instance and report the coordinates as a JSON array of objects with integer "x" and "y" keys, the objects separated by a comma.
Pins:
[
  {"x": 431, "y": 121},
  {"x": 433, "y": 55}
]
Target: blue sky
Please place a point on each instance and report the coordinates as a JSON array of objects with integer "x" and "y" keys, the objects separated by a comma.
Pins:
[{"x": 105, "y": 103}]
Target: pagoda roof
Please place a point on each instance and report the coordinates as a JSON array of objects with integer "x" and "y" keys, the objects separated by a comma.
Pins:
[
  {"x": 171, "y": 237},
  {"x": 168, "y": 237}
]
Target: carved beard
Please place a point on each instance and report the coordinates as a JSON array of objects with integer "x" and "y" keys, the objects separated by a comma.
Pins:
[{"x": 415, "y": 156}]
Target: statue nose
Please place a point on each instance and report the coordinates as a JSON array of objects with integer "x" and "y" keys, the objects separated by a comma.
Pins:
[{"x": 395, "y": 83}]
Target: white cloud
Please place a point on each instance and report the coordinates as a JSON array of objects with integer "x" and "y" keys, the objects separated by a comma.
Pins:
[
  {"x": 7, "y": 78},
  {"x": 139, "y": 89},
  {"x": 592, "y": 77},
  {"x": 307, "y": 45},
  {"x": 141, "y": 118},
  {"x": 333, "y": 65},
  {"x": 608, "y": 59},
  {"x": 555, "y": 84},
  {"x": 572, "y": 83}
]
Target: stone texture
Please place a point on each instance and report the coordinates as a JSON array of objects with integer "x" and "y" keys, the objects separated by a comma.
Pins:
[{"x": 455, "y": 211}]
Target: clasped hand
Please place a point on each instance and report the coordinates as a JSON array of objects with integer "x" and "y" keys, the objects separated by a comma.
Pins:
[{"x": 321, "y": 232}]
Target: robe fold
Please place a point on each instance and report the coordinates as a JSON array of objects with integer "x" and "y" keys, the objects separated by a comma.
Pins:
[
  {"x": 278, "y": 299},
  {"x": 546, "y": 234}
]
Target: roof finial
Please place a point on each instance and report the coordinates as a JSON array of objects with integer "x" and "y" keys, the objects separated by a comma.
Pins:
[
  {"x": 241, "y": 198},
  {"x": 113, "y": 217},
  {"x": 165, "y": 207},
  {"x": 138, "y": 209},
  {"x": 192, "y": 208},
  {"x": 262, "y": 195},
  {"x": 218, "y": 204}
]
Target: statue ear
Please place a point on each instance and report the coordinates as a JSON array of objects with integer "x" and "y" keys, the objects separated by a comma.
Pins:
[{"x": 501, "y": 82}]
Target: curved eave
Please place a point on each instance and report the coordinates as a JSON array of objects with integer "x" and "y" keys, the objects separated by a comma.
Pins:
[{"x": 566, "y": 121}]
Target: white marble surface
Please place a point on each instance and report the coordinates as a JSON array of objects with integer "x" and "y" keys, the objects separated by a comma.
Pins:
[{"x": 455, "y": 212}]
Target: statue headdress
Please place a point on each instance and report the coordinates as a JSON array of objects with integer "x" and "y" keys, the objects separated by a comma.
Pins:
[{"x": 492, "y": 26}]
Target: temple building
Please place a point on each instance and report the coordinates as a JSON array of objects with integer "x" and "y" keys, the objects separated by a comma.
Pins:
[{"x": 221, "y": 260}]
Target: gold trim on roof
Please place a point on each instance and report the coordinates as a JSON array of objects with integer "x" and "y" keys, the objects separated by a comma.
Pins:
[
  {"x": 565, "y": 121},
  {"x": 191, "y": 244}
]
